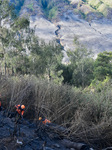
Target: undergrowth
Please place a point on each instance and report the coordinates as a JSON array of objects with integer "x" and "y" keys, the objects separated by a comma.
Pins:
[{"x": 86, "y": 114}]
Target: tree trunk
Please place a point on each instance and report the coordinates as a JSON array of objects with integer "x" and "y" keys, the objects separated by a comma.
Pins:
[{"x": 5, "y": 68}]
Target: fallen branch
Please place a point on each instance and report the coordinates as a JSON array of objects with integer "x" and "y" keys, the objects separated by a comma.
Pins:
[{"x": 78, "y": 146}]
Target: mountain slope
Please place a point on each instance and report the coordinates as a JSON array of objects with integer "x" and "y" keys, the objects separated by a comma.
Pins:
[{"x": 82, "y": 19}]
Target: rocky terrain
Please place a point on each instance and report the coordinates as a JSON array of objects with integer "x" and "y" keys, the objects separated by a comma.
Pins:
[{"x": 94, "y": 31}]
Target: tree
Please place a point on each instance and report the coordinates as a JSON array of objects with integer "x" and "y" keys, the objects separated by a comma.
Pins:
[
  {"x": 19, "y": 59},
  {"x": 6, "y": 14},
  {"x": 46, "y": 58},
  {"x": 67, "y": 73},
  {"x": 49, "y": 8},
  {"x": 14, "y": 41},
  {"x": 103, "y": 66},
  {"x": 4, "y": 42},
  {"x": 81, "y": 64},
  {"x": 6, "y": 11},
  {"x": 83, "y": 73},
  {"x": 17, "y": 5},
  {"x": 21, "y": 24},
  {"x": 54, "y": 57},
  {"x": 24, "y": 53}
]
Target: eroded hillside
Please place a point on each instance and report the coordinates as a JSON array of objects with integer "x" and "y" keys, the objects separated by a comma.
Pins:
[{"x": 90, "y": 22}]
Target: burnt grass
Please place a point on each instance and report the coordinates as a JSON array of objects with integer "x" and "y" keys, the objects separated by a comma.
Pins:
[
  {"x": 32, "y": 135},
  {"x": 27, "y": 135}
]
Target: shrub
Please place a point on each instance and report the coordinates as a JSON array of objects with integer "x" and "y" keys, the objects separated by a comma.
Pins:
[
  {"x": 86, "y": 114},
  {"x": 30, "y": 6}
]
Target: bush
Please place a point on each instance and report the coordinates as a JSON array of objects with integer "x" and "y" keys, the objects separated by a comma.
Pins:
[
  {"x": 86, "y": 114},
  {"x": 30, "y": 6},
  {"x": 54, "y": 101},
  {"x": 49, "y": 7},
  {"x": 52, "y": 13}
]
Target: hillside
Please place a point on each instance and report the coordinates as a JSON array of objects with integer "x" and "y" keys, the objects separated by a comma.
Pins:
[
  {"x": 102, "y": 8},
  {"x": 35, "y": 85},
  {"x": 79, "y": 119},
  {"x": 89, "y": 21}
]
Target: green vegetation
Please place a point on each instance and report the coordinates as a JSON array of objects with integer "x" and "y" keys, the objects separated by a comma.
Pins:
[
  {"x": 77, "y": 95},
  {"x": 49, "y": 7},
  {"x": 20, "y": 23},
  {"x": 42, "y": 60},
  {"x": 67, "y": 1},
  {"x": 17, "y": 5},
  {"x": 82, "y": 66},
  {"x": 45, "y": 59},
  {"x": 52, "y": 13},
  {"x": 103, "y": 9},
  {"x": 84, "y": 0},
  {"x": 103, "y": 66},
  {"x": 6, "y": 10},
  {"x": 98, "y": 7},
  {"x": 83, "y": 15},
  {"x": 95, "y": 4},
  {"x": 108, "y": 2},
  {"x": 30, "y": 6}
]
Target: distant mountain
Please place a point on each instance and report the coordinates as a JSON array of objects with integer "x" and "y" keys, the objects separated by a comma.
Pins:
[{"x": 88, "y": 20}]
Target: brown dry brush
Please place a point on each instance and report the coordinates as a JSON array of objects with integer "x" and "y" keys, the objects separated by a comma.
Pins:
[
  {"x": 92, "y": 121},
  {"x": 87, "y": 116}
]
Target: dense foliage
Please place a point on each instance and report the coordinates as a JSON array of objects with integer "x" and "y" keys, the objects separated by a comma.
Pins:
[
  {"x": 49, "y": 7},
  {"x": 103, "y": 66},
  {"x": 17, "y": 5},
  {"x": 21, "y": 52}
]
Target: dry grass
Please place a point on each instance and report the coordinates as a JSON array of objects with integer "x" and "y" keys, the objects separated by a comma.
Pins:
[{"x": 86, "y": 115}]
